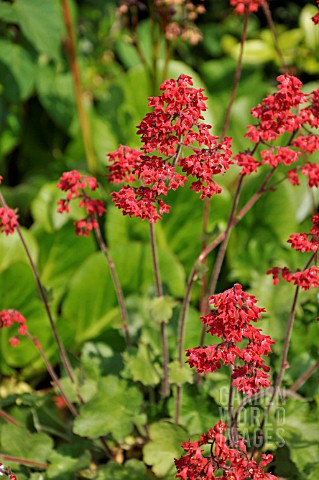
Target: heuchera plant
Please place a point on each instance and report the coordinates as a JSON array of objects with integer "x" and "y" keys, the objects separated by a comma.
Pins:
[{"x": 178, "y": 148}]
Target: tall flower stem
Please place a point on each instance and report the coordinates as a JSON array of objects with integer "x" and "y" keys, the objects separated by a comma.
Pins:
[
  {"x": 82, "y": 114},
  {"x": 193, "y": 275},
  {"x": 283, "y": 363},
  {"x": 222, "y": 251},
  {"x": 304, "y": 377},
  {"x": 272, "y": 28},
  {"x": 237, "y": 75},
  {"x": 62, "y": 352},
  {"x": 203, "y": 303},
  {"x": 159, "y": 292},
  {"x": 23, "y": 461},
  {"x": 52, "y": 374},
  {"x": 117, "y": 285}
]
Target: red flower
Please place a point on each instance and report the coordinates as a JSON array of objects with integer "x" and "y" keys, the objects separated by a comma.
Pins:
[
  {"x": 75, "y": 184},
  {"x": 8, "y": 220},
  {"x": 231, "y": 317},
  {"x": 174, "y": 123},
  {"x": 248, "y": 163},
  {"x": 11, "y": 317},
  {"x": 232, "y": 463},
  {"x": 243, "y": 5}
]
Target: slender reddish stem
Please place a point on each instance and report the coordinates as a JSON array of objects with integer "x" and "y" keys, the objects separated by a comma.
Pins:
[
  {"x": 159, "y": 291},
  {"x": 83, "y": 117},
  {"x": 116, "y": 282},
  {"x": 304, "y": 377},
  {"x": 272, "y": 28},
  {"x": 237, "y": 75},
  {"x": 23, "y": 461},
  {"x": 8, "y": 418},
  {"x": 62, "y": 352}
]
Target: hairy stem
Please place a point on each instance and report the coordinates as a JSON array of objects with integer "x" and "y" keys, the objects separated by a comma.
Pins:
[
  {"x": 159, "y": 291},
  {"x": 83, "y": 117},
  {"x": 117, "y": 285}
]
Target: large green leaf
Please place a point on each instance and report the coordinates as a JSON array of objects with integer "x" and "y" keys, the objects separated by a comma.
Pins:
[
  {"x": 19, "y": 442},
  {"x": 22, "y": 295},
  {"x": 141, "y": 366},
  {"x": 45, "y": 35},
  {"x": 113, "y": 410},
  {"x": 56, "y": 93},
  {"x": 164, "y": 446},
  {"x": 12, "y": 251},
  {"x": 131, "y": 470},
  {"x": 60, "y": 256},
  {"x": 134, "y": 266},
  {"x": 90, "y": 305},
  {"x": 18, "y": 71}
]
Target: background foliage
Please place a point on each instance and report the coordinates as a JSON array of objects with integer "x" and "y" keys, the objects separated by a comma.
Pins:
[{"x": 40, "y": 138}]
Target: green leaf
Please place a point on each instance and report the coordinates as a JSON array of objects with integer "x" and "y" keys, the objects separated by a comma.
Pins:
[
  {"x": 21, "y": 295},
  {"x": 113, "y": 410},
  {"x": 138, "y": 275},
  {"x": 141, "y": 366},
  {"x": 180, "y": 374},
  {"x": 7, "y": 13},
  {"x": 56, "y": 93},
  {"x": 308, "y": 27},
  {"x": 131, "y": 470},
  {"x": 21, "y": 443},
  {"x": 196, "y": 420},
  {"x": 99, "y": 359},
  {"x": 17, "y": 71},
  {"x": 164, "y": 446},
  {"x": 45, "y": 35},
  {"x": 12, "y": 251},
  {"x": 256, "y": 52},
  {"x": 91, "y": 305},
  {"x": 65, "y": 463},
  {"x": 161, "y": 309},
  {"x": 60, "y": 256}
]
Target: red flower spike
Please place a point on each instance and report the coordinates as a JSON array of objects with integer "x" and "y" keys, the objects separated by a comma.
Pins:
[
  {"x": 315, "y": 19},
  {"x": 75, "y": 184},
  {"x": 8, "y": 220},
  {"x": 174, "y": 122},
  {"x": 232, "y": 463},
  {"x": 231, "y": 317}
]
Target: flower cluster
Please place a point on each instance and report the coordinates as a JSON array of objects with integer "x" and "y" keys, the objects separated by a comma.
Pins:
[
  {"x": 175, "y": 123},
  {"x": 75, "y": 184},
  {"x": 175, "y": 17},
  {"x": 11, "y": 317},
  {"x": 8, "y": 220},
  {"x": 302, "y": 242},
  {"x": 242, "y": 6},
  {"x": 232, "y": 463},
  {"x": 231, "y": 317},
  {"x": 280, "y": 113}
]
